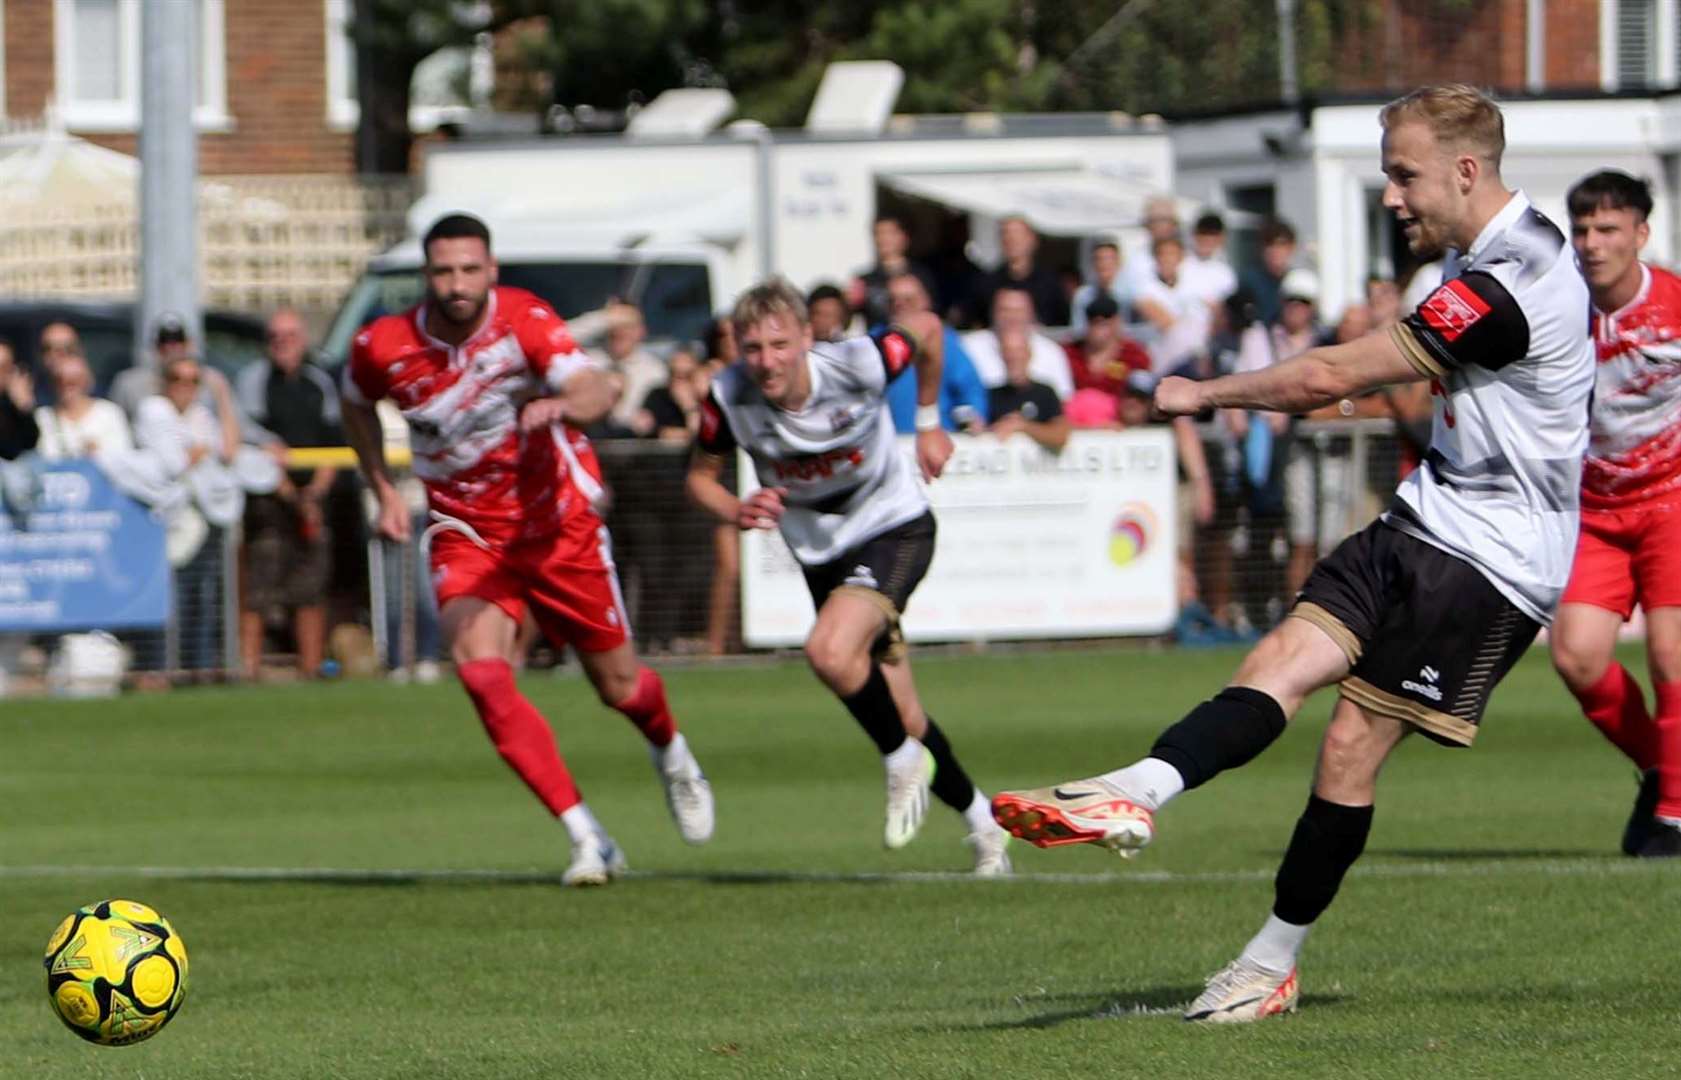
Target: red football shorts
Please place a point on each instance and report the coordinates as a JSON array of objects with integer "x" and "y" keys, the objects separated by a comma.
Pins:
[
  {"x": 1625, "y": 557},
  {"x": 567, "y": 582}
]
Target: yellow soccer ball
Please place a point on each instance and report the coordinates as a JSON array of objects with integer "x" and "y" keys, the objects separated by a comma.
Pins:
[{"x": 116, "y": 972}]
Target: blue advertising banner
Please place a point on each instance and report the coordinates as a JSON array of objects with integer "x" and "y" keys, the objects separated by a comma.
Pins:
[{"x": 84, "y": 557}]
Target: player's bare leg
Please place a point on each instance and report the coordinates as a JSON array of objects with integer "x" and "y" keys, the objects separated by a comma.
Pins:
[
  {"x": 1116, "y": 810},
  {"x": 1329, "y": 837},
  {"x": 624, "y": 683},
  {"x": 881, "y": 695},
  {"x": 481, "y": 639},
  {"x": 1583, "y": 644}
]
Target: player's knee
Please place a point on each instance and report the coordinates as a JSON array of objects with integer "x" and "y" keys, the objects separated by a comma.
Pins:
[
  {"x": 1578, "y": 663},
  {"x": 832, "y": 659},
  {"x": 615, "y": 687}
]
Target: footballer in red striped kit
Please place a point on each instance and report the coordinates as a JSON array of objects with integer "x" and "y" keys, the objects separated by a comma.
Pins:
[
  {"x": 1629, "y": 551},
  {"x": 495, "y": 393}
]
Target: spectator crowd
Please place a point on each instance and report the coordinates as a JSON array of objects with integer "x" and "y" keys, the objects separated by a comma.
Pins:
[{"x": 1030, "y": 348}]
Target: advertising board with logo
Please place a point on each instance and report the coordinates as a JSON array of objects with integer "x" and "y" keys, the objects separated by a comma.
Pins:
[
  {"x": 82, "y": 556},
  {"x": 1030, "y": 545}
]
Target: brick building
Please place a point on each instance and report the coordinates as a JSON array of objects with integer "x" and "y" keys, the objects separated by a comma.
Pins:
[
  {"x": 275, "y": 87},
  {"x": 1534, "y": 46}
]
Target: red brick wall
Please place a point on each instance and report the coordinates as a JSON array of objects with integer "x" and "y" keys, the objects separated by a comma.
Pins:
[
  {"x": 29, "y": 56},
  {"x": 1573, "y": 44},
  {"x": 276, "y": 87},
  {"x": 1408, "y": 43}
]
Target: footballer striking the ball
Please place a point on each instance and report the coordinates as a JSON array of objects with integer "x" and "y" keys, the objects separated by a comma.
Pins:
[{"x": 116, "y": 972}]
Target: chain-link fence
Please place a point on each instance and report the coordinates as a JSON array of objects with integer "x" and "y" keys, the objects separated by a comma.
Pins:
[{"x": 680, "y": 574}]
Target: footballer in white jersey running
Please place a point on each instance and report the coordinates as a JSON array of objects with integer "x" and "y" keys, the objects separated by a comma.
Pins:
[
  {"x": 814, "y": 419},
  {"x": 1419, "y": 615}
]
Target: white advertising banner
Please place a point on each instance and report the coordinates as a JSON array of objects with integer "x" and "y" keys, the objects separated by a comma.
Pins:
[{"x": 1030, "y": 545}]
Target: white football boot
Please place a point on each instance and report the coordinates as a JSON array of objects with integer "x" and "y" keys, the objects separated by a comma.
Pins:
[
  {"x": 1090, "y": 811},
  {"x": 907, "y": 794},
  {"x": 688, "y": 794},
  {"x": 595, "y": 863},
  {"x": 1240, "y": 992},
  {"x": 991, "y": 857}
]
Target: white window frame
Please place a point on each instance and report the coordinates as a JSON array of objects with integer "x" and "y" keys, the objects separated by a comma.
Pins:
[
  {"x": 344, "y": 109},
  {"x": 1666, "y": 63},
  {"x": 123, "y": 114}
]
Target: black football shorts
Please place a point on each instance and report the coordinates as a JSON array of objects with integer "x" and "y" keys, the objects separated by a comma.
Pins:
[{"x": 1426, "y": 634}]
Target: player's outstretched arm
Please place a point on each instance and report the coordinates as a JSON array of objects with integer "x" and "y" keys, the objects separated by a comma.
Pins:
[
  {"x": 1303, "y": 383},
  {"x": 361, "y": 428},
  {"x": 760, "y": 510},
  {"x": 933, "y": 445}
]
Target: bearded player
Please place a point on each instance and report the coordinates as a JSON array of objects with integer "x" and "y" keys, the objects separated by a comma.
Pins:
[
  {"x": 494, "y": 391},
  {"x": 813, "y": 417},
  {"x": 1629, "y": 551}
]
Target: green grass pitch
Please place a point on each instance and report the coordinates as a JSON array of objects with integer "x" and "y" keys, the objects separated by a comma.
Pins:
[{"x": 367, "y": 892}]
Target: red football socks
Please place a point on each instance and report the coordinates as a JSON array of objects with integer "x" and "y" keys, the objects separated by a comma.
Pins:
[
  {"x": 519, "y": 732},
  {"x": 1668, "y": 740},
  {"x": 647, "y": 708},
  {"x": 1617, "y": 708}
]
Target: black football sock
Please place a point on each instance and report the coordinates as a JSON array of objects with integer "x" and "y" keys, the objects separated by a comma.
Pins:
[
  {"x": 1222, "y": 733},
  {"x": 872, "y": 706},
  {"x": 1328, "y": 838},
  {"x": 952, "y": 785}
]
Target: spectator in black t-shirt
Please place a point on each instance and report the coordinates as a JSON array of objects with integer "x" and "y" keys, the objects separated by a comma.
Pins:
[
  {"x": 869, "y": 288},
  {"x": 1023, "y": 405},
  {"x": 287, "y": 550},
  {"x": 673, "y": 410},
  {"x": 1020, "y": 270}
]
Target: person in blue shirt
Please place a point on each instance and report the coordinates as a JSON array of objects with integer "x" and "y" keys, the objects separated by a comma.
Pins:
[{"x": 962, "y": 397}]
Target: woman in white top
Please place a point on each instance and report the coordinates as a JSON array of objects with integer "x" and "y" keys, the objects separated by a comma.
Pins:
[
  {"x": 182, "y": 432},
  {"x": 79, "y": 425},
  {"x": 179, "y": 428}
]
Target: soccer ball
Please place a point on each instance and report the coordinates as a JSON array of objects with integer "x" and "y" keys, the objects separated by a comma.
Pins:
[{"x": 116, "y": 972}]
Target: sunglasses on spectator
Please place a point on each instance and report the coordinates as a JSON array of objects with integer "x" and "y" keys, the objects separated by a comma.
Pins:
[{"x": 179, "y": 378}]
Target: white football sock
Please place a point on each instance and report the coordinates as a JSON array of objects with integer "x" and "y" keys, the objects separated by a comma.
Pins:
[
  {"x": 677, "y": 750},
  {"x": 581, "y": 825},
  {"x": 1275, "y": 947},
  {"x": 1152, "y": 782},
  {"x": 978, "y": 814},
  {"x": 907, "y": 752}
]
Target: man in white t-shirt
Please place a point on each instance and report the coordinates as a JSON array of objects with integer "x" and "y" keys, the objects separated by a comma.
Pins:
[
  {"x": 1012, "y": 312},
  {"x": 1206, "y": 271},
  {"x": 1174, "y": 305}
]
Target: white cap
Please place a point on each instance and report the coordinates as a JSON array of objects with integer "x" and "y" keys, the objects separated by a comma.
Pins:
[{"x": 1300, "y": 284}]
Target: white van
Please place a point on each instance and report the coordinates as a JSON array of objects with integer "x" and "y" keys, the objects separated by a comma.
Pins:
[{"x": 676, "y": 286}]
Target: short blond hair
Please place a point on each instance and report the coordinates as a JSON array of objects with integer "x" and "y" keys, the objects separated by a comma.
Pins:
[
  {"x": 1460, "y": 116},
  {"x": 774, "y": 297}
]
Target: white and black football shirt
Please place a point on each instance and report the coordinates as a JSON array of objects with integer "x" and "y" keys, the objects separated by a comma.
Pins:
[
  {"x": 839, "y": 458},
  {"x": 1505, "y": 343}
]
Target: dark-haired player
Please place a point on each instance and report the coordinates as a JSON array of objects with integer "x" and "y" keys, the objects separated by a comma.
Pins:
[
  {"x": 813, "y": 417},
  {"x": 1416, "y": 617},
  {"x": 1630, "y": 548},
  {"x": 494, "y": 392}
]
